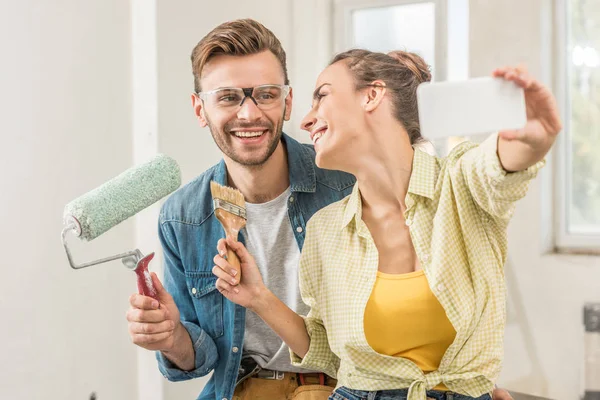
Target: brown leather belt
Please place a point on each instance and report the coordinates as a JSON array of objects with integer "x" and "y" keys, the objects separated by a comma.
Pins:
[{"x": 313, "y": 378}]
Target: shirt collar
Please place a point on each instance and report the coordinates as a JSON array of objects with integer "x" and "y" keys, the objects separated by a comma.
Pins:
[{"x": 425, "y": 170}]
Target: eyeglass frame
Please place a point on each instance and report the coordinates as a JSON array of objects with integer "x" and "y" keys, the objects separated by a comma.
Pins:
[{"x": 247, "y": 92}]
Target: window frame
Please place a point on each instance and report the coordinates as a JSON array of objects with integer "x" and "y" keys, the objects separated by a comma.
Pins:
[{"x": 565, "y": 241}]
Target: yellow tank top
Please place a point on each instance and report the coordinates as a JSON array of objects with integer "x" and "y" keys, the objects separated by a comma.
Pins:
[{"x": 403, "y": 318}]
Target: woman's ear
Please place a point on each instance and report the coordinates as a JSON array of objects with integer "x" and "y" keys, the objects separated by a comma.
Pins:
[{"x": 374, "y": 95}]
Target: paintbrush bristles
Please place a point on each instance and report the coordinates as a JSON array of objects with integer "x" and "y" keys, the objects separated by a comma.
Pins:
[{"x": 227, "y": 194}]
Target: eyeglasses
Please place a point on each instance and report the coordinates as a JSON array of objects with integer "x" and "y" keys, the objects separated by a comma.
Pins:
[{"x": 265, "y": 96}]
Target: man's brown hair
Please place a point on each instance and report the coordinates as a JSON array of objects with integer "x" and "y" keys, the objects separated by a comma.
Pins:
[{"x": 241, "y": 37}]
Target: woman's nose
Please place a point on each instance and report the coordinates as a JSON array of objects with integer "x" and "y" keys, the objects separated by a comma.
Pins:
[{"x": 308, "y": 122}]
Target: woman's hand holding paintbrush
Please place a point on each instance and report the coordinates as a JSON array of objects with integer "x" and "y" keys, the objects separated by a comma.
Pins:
[
  {"x": 247, "y": 291},
  {"x": 239, "y": 278},
  {"x": 250, "y": 291}
]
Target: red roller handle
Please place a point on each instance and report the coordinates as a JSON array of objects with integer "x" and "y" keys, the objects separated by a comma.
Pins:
[{"x": 144, "y": 280}]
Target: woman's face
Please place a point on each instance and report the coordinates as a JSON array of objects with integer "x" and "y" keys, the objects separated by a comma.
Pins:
[{"x": 336, "y": 119}]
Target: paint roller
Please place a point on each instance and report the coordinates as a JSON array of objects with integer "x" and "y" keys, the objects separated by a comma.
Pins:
[{"x": 94, "y": 213}]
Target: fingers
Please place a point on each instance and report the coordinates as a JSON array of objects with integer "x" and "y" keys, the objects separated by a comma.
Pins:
[
  {"x": 222, "y": 248},
  {"x": 225, "y": 288},
  {"x": 136, "y": 328},
  {"x": 518, "y": 74},
  {"x": 143, "y": 339},
  {"x": 499, "y": 72},
  {"x": 147, "y": 323},
  {"x": 221, "y": 272},
  {"x": 519, "y": 70},
  {"x": 147, "y": 316},
  {"x": 143, "y": 302},
  {"x": 223, "y": 264}
]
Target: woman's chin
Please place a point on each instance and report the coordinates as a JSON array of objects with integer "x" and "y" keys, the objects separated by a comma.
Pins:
[{"x": 322, "y": 160}]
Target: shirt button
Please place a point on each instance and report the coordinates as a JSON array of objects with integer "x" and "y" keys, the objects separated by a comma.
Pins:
[
  {"x": 441, "y": 287},
  {"x": 299, "y": 229},
  {"x": 235, "y": 349},
  {"x": 194, "y": 290},
  {"x": 291, "y": 199},
  {"x": 408, "y": 222}
]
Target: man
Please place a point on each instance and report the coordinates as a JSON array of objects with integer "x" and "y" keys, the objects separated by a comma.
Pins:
[{"x": 242, "y": 95}]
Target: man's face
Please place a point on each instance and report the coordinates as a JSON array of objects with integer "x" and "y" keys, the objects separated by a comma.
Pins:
[{"x": 247, "y": 134}]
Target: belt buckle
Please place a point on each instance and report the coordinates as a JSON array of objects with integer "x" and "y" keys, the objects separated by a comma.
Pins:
[
  {"x": 269, "y": 374},
  {"x": 248, "y": 368}
]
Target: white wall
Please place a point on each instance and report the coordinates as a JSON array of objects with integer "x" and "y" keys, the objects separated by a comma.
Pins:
[
  {"x": 544, "y": 339},
  {"x": 65, "y": 128}
]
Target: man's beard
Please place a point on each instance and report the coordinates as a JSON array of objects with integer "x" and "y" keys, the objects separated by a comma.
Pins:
[{"x": 224, "y": 138}]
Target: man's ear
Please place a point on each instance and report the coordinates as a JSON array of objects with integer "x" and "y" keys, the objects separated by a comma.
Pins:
[
  {"x": 288, "y": 106},
  {"x": 198, "y": 107}
]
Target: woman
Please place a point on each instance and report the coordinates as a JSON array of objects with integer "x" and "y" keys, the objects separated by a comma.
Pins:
[{"x": 405, "y": 276}]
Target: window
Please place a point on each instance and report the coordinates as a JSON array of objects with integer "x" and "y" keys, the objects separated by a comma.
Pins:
[
  {"x": 384, "y": 29},
  {"x": 579, "y": 146},
  {"x": 393, "y": 25}
]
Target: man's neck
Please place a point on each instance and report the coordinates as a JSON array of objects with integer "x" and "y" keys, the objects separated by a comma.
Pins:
[{"x": 261, "y": 183}]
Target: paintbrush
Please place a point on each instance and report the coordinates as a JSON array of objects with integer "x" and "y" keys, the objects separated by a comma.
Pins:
[{"x": 230, "y": 209}]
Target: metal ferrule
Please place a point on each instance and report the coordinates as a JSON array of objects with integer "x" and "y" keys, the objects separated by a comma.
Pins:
[{"x": 230, "y": 208}]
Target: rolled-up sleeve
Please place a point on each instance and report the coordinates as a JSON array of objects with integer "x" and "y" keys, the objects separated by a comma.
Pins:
[{"x": 493, "y": 188}]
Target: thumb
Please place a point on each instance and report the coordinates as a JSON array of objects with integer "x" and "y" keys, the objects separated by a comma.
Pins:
[
  {"x": 163, "y": 296},
  {"x": 240, "y": 250},
  {"x": 248, "y": 269},
  {"x": 510, "y": 135}
]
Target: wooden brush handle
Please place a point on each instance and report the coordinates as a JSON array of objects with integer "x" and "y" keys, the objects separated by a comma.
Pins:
[
  {"x": 232, "y": 224},
  {"x": 234, "y": 261}
]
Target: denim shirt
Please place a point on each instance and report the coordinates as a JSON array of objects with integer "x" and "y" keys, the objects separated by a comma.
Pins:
[{"x": 189, "y": 231}]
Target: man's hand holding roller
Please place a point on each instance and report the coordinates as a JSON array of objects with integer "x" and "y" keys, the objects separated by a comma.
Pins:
[{"x": 155, "y": 325}]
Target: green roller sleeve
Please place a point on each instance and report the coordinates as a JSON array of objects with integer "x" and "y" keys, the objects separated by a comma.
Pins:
[{"x": 124, "y": 196}]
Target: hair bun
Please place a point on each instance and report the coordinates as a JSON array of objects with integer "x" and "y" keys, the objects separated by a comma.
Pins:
[{"x": 414, "y": 62}]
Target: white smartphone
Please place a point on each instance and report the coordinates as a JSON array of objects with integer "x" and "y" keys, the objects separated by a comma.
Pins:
[{"x": 474, "y": 106}]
